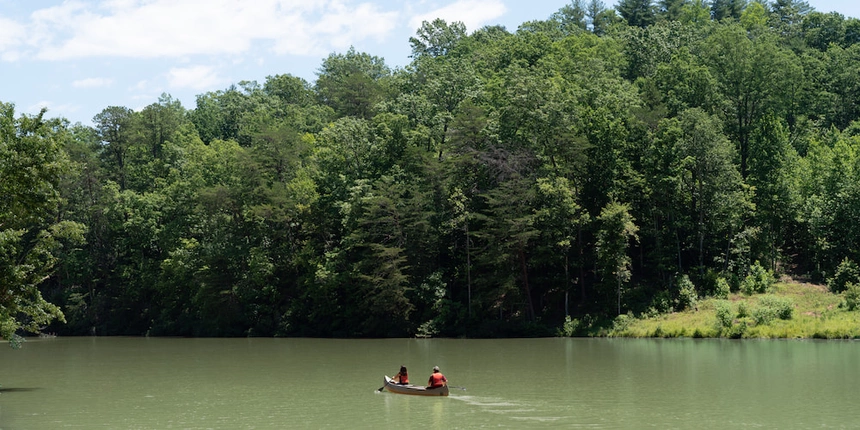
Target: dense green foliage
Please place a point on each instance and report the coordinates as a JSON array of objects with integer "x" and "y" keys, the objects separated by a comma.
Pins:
[{"x": 503, "y": 183}]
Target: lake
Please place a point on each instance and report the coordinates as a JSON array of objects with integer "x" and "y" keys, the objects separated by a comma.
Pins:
[{"x": 255, "y": 383}]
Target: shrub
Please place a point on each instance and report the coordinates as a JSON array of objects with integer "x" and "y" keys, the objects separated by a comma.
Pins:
[
  {"x": 736, "y": 331},
  {"x": 852, "y": 296},
  {"x": 722, "y": 289},
  {"x": 576, "y": 326},
  {"x": 661, "y": 303},
  {"x": 771, "y": 308},
  {"x": 687, "y": 297},
  {"x": 759, "y": 280},
  {"x": 782, "y": 307},
  {"x": 743, "y": 310},
  {"x": 569, "y": 328},
  {"x": 846, "y": 273},
  {"x": 622, "y": 322},
  {"x": 724, "y": 313},
  {"x": 708, "y": 282},
  {"x": 762, "y": 315}
]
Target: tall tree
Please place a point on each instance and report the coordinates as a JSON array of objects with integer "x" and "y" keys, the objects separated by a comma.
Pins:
[
  {"x": 599, "y": 17},
  {"x": 727, "y": 9},
  {"x": 436, "y": 38},
  {"x": 352, "y": 83},
  {"x": 571, "y": 17},
  {"x": 32, "y": 232},
  {"x": 616, "y": 229},
  {"x": 670, "y": 10},
  {"x": 751, "y": 74},
  {"x": 711, "y": 185},
  {"x": 637, "y": 13},
  {"x": 116, "y": 129}
]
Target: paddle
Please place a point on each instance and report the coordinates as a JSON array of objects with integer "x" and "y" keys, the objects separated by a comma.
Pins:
[
  {"x": 461, "y": 388},
  {"x": 382, "y": 387}
]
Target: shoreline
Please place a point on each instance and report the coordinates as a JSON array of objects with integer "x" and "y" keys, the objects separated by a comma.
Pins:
[{"x": 789, "y": 310}]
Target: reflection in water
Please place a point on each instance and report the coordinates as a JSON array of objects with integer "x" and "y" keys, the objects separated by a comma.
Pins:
[{"x": 17, "y": 390}]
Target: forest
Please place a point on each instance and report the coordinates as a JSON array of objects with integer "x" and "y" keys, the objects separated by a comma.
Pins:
[{"x": 596, "y": 163}]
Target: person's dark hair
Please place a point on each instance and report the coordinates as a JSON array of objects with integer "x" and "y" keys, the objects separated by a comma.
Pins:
[{"x": 402, "y": 369}]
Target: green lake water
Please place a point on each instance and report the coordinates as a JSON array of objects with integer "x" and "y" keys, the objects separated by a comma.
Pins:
[{"x": 174, "y": 383}]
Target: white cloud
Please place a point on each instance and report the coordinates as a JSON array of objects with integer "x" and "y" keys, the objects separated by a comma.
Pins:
[
  {"x": 194, "y": 77},
  {"x": 54, "y": 108},
  {"x": 473, "y": 13},
  {"x": 92, "y": 83},
  {"x": 177, "y": 28},
  {"x": 11, "y": 37}
]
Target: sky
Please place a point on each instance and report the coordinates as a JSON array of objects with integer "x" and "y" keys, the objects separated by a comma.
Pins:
[{"x": 77, "y": 57}]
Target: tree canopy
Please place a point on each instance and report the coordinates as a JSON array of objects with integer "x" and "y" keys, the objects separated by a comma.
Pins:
[{"x": 601, "y": 161}]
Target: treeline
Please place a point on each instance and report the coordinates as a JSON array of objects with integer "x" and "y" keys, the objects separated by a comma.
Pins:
[{"x": 584, "y": 165}]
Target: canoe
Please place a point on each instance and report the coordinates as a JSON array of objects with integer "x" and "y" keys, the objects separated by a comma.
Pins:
[{"x": 415, "y": 390}]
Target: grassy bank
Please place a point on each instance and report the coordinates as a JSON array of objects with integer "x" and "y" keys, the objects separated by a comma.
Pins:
[{"x": 789, "y": 310}]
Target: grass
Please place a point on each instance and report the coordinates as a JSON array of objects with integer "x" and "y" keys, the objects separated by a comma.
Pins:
[{"x": 791, "y": 310}]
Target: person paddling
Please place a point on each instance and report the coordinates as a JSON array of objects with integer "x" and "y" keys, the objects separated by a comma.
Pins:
[
  {"x": 437, "y": 379},
  {"x": 402, "y": 377}
]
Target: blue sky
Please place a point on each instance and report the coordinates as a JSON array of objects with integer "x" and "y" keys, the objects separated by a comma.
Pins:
[{"x": 77, "y": 57}]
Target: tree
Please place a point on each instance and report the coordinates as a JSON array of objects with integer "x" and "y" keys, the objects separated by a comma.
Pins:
[
  {"x": 507, "y": 234},
  {"x": 754, "y": 17},
  {"x": 727, "y": 9},
  {"x": 789, "y": 13},
  {"x": 571, "y": 17},
  {"x": 616, "y": 229},
  {"x": 695, "y": 12},
  {"x": 444, "y": 83},
  {"x": 115, "y": 127},
  {"x": 709, "y": 180},
  {"x": 685, "y": 83},
  {"x": 820, "y": 30},
  {"x": 31, "y": 230},
  {"x": 560, "y": 221},
  {"x": 752, "y": 75},
  {"x": 351, "y": 83},
  {"x": 637, "y": 13},
  {"x": 599, "y": 17},
  {"x": 842, "y": 83},
  {"x": 436, "y": 38},
  {"x": 670, "y": 10}
]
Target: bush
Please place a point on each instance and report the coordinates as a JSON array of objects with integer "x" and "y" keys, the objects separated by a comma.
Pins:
[
  {"x": 782, "y": 307},
  {"x": 771, "y": 308},
  {"x": 743, "y": 310},
  {"x": 661, "y": 303},
  {"x": 569, "y": 328},
  {"x": 622, "y": 322},
  {"x": 846, "y": 273},
  {"x": 575, "y": 326},
  {"x": 722, "y": 289},
  {"x": 724, "y": 313},
  {"x": 687, "y": 297},
  {"x": 762, "y": 315},
  {"x": 736, "y": 331},
  {"x": 852, "y": 296},
  {"x": 759, "y": 280}
]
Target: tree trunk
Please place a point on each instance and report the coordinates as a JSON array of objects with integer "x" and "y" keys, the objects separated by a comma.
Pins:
[{"x": 526, "y": 286}]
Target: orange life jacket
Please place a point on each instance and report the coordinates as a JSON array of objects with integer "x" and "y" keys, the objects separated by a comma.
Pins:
[
  {"x": 437, "y": 380},
  {"x": 402, "y": 378}
]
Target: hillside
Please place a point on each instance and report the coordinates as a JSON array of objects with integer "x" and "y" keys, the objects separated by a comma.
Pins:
[{"x": 808, "y": 311}]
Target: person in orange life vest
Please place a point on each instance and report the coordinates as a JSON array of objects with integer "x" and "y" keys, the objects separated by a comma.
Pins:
[
  {"x": 402, "y": 377},
  {"x": 437, "y": 379}
]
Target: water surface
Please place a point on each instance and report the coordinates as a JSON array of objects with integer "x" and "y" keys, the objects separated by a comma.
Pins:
[{"x": 172, "y": 383}]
